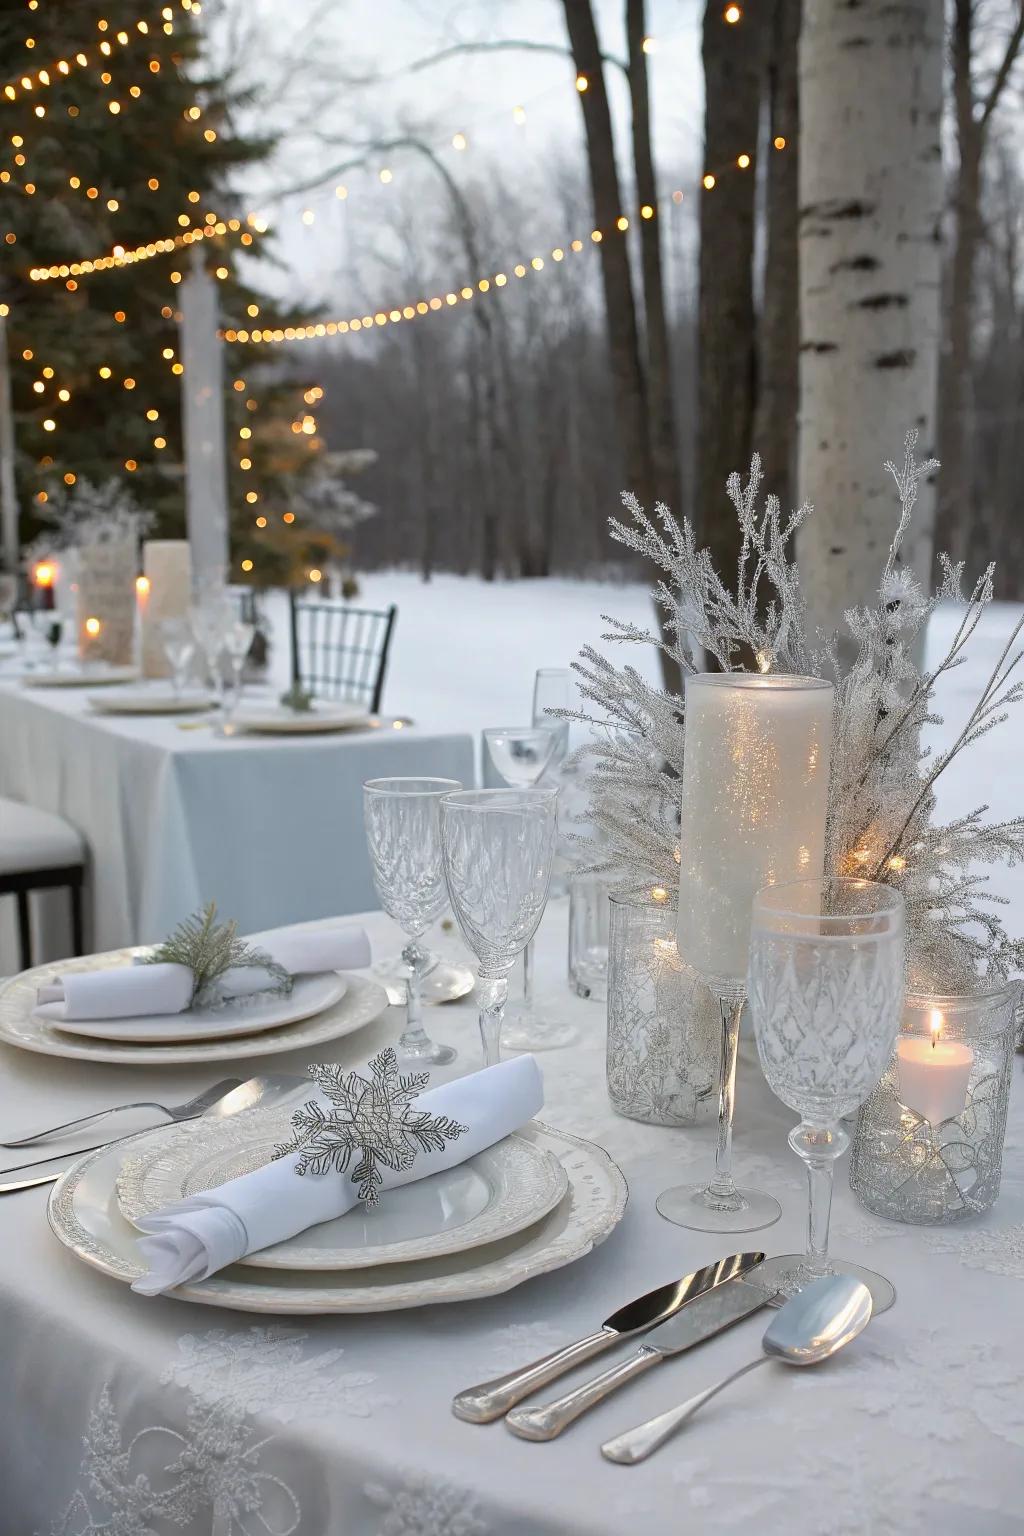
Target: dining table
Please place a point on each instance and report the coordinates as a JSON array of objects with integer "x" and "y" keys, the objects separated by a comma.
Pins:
[
  {"x": 150, "y": 1416},
  {"x": 174, "y": 814}
]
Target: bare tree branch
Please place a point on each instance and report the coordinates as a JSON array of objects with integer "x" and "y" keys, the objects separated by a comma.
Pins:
[
  {"x": 504, "y": 45},
  {"x": 1002, "y": 74}
]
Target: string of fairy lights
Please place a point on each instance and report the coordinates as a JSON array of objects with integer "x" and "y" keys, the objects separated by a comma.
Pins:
[
  {"x": 106, "y": 45},
  {"x": 254, "y": 223}
]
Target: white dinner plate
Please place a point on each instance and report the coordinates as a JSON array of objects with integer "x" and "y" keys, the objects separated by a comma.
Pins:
[
  {"x": 91, "y": 677},
  {"x": 245, "y": 1016},
  {"x": 363, "y": 1002},
  {"x": 498, "y": 1192},
  {"x": 84, "y": 1214},
  {"x": 151, "y": 701},
  {"x": 278, "y": 721}
]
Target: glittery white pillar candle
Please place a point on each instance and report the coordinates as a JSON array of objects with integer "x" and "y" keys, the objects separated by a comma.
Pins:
[
  {"x": 755, "y": 791},
  {"x": 167, "y": 565}
]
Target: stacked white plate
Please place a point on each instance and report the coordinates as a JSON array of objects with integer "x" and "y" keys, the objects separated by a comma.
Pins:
[
  {"x": 151, "y": 700},
  {"x": 535, "y": 1201},
  {"x": 100, "y": 675},
  {"x": 319, "y": 1007},
  {"x": 276, "y": 720}
]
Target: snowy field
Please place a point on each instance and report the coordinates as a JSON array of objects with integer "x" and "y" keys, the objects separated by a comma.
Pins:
[{"x": 465, "y": 653}]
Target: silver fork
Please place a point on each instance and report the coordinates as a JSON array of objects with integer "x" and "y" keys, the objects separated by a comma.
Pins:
[{"x": 174, "y": 1112}]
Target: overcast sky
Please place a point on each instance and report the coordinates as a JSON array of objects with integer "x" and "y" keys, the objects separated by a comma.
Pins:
[{"x": 307, "y": 59}]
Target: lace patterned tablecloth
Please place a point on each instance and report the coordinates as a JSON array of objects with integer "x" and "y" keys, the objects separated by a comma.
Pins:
[{"x": 143, "y": 1417}]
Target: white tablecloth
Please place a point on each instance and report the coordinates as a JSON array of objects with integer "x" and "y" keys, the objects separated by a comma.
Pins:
[
  {"x": 155, "y": 1418},
  {"x": 269, "y": 827}
]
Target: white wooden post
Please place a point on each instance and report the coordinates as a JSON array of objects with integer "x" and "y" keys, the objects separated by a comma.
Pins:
[
  {"x": 202, "y": 402},
  {"x": 9, "y": 545}
]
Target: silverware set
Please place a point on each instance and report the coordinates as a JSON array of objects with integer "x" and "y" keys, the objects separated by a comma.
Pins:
[
  {"x": 808, "y": 1328},
  {"x": 228, "y": 1097}
]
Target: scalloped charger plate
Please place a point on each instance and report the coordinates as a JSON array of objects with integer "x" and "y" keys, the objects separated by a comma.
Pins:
[{"x": 84, "y": 1214}]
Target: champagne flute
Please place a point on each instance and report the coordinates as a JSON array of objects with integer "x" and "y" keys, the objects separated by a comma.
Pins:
[
  {"x": 521, "y": 756},
  {"x": 826, "y": 996},
  {"x": 754, "y": 795}
]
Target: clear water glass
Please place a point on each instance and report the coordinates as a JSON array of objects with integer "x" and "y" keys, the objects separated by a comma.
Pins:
[
  {"x": 589, "y": 918},
  {"x": 552, "y": 689},
  {"x": 179, "y": 646},
  {"x": 403, "y": 833},
  {"x": 497, "y": 846},
  {"x": 825, "y": 988},
  {"x": 521, "y": 755}
]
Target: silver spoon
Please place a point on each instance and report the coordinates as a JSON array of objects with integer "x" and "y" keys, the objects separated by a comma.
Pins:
[{"x": 812, "y": 1325}]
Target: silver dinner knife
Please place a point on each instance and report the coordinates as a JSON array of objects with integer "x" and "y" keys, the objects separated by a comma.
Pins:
[
  {"x": 702, "y": 1319},
  {"x": 488, "y": 1401}
]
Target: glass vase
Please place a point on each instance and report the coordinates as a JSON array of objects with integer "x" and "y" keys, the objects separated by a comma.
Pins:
[
  {"x": 588, "y": 937},
  {"x": 664, "y": 1026},
  {"x": 929, "y": 1141}
]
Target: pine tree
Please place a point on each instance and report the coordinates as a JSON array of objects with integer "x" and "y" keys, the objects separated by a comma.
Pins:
[{"x": 135, "y": 146}]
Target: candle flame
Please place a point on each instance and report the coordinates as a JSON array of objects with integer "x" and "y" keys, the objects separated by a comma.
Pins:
[
  {"x": 659, "y": 893},
  {"x": 935, "y": 1021},
  {"x": 44, "y": 574},
  {"x": 93, "y": 627},
  {"x": 142, "y": 585}
]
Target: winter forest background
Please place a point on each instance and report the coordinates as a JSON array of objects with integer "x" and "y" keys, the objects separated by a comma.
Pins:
[{"x": 382, "y": 154}]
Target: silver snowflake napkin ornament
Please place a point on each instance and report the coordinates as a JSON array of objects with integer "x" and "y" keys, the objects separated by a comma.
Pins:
[{"x": 369, "y": 1116}]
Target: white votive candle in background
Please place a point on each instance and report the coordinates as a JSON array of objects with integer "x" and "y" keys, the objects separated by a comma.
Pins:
[
  {"x": 754, "y": 797},
  {"x": 934, "y": 1073}
]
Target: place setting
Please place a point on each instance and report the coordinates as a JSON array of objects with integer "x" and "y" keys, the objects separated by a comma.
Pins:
[{"x": 202, "y": 995}]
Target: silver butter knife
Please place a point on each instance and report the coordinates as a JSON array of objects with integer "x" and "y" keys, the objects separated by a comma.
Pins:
[
  {"x": 702, "y": 1319},
  {"x": 488, "y": 1401}
]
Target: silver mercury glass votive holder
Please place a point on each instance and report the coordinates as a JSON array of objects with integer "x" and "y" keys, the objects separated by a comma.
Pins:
[
  {"x": 929, "y": 1141},
  {"x": 664, "y": 1025}
]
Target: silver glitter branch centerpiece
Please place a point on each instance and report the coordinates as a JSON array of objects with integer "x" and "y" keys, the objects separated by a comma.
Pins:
[
  {"x": 372, "y": 1117},
  {"x": 882, "y": 821}
]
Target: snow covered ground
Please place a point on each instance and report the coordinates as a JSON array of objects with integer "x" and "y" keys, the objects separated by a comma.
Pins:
[{"x": 465, "y": 653}]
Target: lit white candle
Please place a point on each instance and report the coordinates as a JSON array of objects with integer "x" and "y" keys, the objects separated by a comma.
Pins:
[
  {"x": 754, "y": 796},
  {"x": 934, "y": 1073}
]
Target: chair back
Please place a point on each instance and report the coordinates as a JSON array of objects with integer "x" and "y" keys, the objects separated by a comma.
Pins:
[{"x": 341, "y": 652}]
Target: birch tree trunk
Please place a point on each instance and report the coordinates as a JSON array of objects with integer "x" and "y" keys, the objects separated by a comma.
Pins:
[{"x": 871, "y": 198}]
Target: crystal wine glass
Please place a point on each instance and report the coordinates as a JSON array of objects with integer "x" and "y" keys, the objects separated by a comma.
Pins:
[
  {"x": 179, "y": 643},
  {"x": 497, "y": 846},
  {"x": 403, "y": 831},
  {"x": 521, "y": 755},
  {"x": 826, "y": 995},
  {"x": 211, "y": 618}
]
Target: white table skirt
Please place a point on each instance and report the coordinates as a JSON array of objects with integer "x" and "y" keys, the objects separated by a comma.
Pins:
[
  {"x": 269, "y": 828},
  {"x": 342, "y": 1427}
]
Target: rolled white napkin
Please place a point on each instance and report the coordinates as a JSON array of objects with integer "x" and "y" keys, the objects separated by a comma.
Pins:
[
  {"x": 130, "y": 991},
  {"x": 198, "y": 1236}
]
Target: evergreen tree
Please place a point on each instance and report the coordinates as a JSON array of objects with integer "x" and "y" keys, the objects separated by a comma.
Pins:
[{"x": 134, "y": 146}]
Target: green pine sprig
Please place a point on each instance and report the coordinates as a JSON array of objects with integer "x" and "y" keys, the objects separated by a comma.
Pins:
[{"x": 209, "y": 949}]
